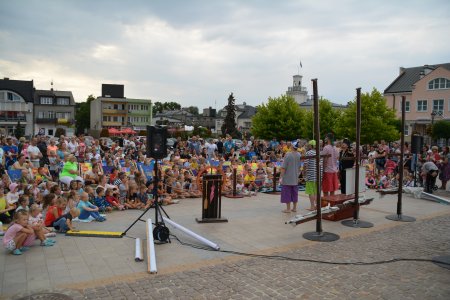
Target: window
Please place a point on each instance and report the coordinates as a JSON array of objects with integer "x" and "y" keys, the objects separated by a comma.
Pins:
[
  {"x": 13, "y": 96},
  {"x": 407, "y": 106},
  {"x": 46, "y": 100},
  {"x": 438, "y": 105},
  {"x": 439, "y": 83},
  {"x": 62, "y": 101},
  {"x": 50, "y": 132},
  {"x": 406, "y": 130},
  {"x": 422, "y": 105},
  {"x": 41, "y": 115},
  {"x": 105, "y": 118},
  {"x": 114, "y": 119},
  {"x": 51, "y": 114}
]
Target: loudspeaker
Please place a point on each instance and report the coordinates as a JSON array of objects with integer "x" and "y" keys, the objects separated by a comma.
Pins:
[
  {"x": 156, "y": 142},
  {"x": 416, "y": 144}
]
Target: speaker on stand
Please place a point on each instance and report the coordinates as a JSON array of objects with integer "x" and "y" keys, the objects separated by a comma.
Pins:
[{"x": 416, "y": 148}]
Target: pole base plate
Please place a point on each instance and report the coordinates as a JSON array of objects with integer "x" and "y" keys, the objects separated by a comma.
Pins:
[
  {"x": 357, "y": 224},
  {"x": 400, "y": 218},
  {"x": 321, "y": 236}
]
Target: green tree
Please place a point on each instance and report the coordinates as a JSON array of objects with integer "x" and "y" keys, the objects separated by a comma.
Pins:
[
  {"x": 377, "y": 120},
  {"x": 193, "y": 110},
  {"x": 83, "y": 115},
  {"x": 229, "y": 125},
  {"x": 281, "y": 118},
  {"x": 19, "y": 132},
  {"x": 171, "y": 106},
  {"x": 104, "y": 132},
  {"x": 60, "y": 131},
  {"x": 441, "y": 129},
  {"x": 328, "y": 119}
]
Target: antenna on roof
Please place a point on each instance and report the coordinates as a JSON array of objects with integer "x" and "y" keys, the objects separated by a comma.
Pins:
[{"x": 51, "y": 83}]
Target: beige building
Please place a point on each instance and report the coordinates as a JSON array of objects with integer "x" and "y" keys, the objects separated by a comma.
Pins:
[{"x": 427, "y": 92}]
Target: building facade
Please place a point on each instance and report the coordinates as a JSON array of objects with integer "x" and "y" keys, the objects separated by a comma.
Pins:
[
  {"x": 113, "y": 110},
  {"x": 427, "y": 93},
  {"x": 244, "y": 115},
  {"x": 53, "y": 110},
  {"x": 16, "y": 106}
]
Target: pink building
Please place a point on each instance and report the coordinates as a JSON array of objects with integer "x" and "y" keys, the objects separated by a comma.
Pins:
[{"x": 427, "y": 92}]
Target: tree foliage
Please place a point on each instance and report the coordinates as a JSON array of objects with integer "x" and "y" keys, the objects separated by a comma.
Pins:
[
  {"x": 377, "y": 120},
  {"x": 281, "y": 118},
  {"x": 328, "y": 119},
  {"x": 193, "y": 110},
  {"x": 159, "y": 107},
  {"x": 441, "y": 129},
  {"x": 19, "y": 132},
  {"x": 60, "y": 131},
  {"x": 104, "y": 132},
  {"x": 229, "y": 125},
  {"x": 83, "y": 115}
]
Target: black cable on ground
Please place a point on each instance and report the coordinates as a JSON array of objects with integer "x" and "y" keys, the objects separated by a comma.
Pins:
[{"x": 280, "y": 257}]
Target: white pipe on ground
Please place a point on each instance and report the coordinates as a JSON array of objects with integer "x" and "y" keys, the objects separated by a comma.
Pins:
[
  {"x": 151, "y": 255},
  {"x": 138, "y": 253},
  {"x": 192, "y": 234}
]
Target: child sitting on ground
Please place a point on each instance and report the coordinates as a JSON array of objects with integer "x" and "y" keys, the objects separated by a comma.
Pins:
[
  {"x": 13, "y": 195},
  {"x": 64, "y": 223},
  {"x": 23, "y": 203},
  {"x": 100, "y": 201},
  {"x": 6, "y": 209},
  {"x": 55, "y": 211},
  {"x": 88, "y": 210},
  {"x": 111, "y": 199},
  {"x": 35, "y": 219},
  {"x": 19, "y": 236},
  {"x": 132, "y": 200}
]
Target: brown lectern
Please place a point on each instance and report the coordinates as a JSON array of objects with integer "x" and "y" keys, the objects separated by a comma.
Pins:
[{"x": 211, "y": 199}]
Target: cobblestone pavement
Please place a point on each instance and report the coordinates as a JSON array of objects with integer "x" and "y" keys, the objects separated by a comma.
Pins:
[{"x": 258, "y": 278}]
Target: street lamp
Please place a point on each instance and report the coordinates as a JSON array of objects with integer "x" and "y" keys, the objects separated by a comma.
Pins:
[{"x": 433, "y": 114}]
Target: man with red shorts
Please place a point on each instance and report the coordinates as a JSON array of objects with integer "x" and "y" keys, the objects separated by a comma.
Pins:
[{"x": 330, "y": 181}]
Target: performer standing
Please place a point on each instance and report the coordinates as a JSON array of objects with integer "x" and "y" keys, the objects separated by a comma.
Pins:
[
  {"x": 330, "y": 181},
  {"x": 290, "y": 171}
]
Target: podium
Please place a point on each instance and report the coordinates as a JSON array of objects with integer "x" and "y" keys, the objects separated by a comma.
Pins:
[{"x": 211, "y": 199}]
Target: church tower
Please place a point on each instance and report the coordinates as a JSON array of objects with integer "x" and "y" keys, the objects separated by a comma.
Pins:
[{"x": 297, "y": 91}]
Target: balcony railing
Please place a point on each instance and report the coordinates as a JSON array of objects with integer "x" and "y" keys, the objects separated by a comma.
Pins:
[
  {"x": 46, "y": 120},
  {"x": 13, "y": 119}
]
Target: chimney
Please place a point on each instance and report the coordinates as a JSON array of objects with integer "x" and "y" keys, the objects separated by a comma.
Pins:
[
  {"x": 6, "y": 78},
  {"x": 421, "y": 74},
  {"x": 402, "y": 70}
]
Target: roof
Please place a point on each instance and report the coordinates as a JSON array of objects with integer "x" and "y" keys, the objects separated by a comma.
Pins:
[
  {"x": 248, "y": 112},
  {"x": 54, "y": 94},
  {"x": 22, "y": 87},
  {"x": 409, "y": 76},
  {"x": 310, "y": 103}
]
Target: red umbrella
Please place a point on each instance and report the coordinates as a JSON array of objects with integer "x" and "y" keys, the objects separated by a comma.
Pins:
[
  {"x": 128, "y": 131},
  {"x": 113, "y": 131}
]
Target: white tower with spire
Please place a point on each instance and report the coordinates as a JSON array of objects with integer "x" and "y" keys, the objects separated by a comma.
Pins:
[{"x": 299, "y": 92}]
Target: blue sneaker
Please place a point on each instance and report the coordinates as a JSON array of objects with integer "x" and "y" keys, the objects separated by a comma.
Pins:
[
  {"x": 16, "y": 252},
  {"x": 51, "y": 241},
  {"x": 24, "y": 248},
  {"x": 46, "y": 244}
]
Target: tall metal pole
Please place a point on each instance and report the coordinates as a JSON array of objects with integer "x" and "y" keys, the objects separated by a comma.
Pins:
[
  {"x": 358, "y": 139},
  {"x": 356, "y": 222},
  {"x": 399, "y": 216},
  {"x": 318, "y": 175},
  {"x": 318, "y": 235}
]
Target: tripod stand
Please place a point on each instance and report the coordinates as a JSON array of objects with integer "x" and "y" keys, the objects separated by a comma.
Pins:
[{"x": 160, "y": 232}]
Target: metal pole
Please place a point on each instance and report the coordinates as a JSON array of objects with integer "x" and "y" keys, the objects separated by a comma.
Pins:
[
  {"x": 317, "y": 136},
  {"x": 402, "y": 152},
  {"x": 357, "y": 158}
]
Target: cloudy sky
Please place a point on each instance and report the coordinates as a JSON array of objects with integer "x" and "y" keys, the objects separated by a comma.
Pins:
[{"x": 197, "y": 52}]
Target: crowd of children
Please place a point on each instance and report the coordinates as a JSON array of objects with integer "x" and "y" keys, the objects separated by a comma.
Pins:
[{"x": 46, "y": 190}]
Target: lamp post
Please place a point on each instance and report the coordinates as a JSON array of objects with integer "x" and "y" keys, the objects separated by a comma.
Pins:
[{"x": 433, "y": 115}]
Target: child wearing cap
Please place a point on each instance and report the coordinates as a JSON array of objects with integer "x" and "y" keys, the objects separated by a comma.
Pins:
[{"x": 13, "y": 195}]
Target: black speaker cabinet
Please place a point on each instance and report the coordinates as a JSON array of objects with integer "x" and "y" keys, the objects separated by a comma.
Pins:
[
  {"x": 156, "y": 142},
  {"x": 416, "y": 144}
]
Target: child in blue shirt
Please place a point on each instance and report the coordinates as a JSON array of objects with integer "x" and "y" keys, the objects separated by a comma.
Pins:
[
  {"x": 100, "y": 200},
  {"x": 88, "y": 210}
]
